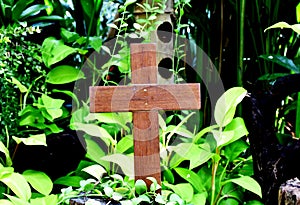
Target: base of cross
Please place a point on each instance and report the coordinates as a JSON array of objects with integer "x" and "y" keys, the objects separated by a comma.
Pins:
[{"x": 144, "y": 97}]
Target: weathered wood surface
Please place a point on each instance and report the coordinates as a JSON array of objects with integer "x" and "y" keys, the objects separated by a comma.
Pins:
[
  {"x": 144, "y": 98},
  {"x": 289, "y": 192}
]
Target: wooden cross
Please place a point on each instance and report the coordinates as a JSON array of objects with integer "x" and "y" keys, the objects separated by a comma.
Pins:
[{"x": 144, "y": 98}]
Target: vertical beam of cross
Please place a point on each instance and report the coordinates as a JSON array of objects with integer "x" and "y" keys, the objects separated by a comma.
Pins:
[{"x": 146, "y": 131}]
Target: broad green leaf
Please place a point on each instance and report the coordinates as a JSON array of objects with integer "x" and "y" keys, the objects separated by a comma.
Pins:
[
  {"x": 199, "y": 199},
  {"x": 39, "y": 181},
  {"x": 96, "y": 131},
  {"x": 69, "y": 93},
  {"x": 47, "y": 200},
  {"x": 95, "y": 153},
  {"x": 168, "y": 176},
  {"x": 68, "y": 36},
  {"x": 21, "y": 87},
  {"x": 295, "y": 27},
  {"x": 5, "y": 171},
  {"x": 194, "y": 153},
  {"x": 88, "y": 6},
  {"x": 54, "y": 51},
  {"x": 53, "y": 106},
  {"x": 233, "y": 150},
  {"x": 95, "y": 170},
  {"x": 64, "y": 74},
  {"x": 184, "y": 190},
  {"x": 182, "y": 131},
  {"x": 17, "y": 201},
  {"x": 45, "y": 18},
  {"x": 124, "y": 144},
  {"x": 5, "y": 202},
  {"x": 223, "y": 138},
  {"x": 124, "y": 161},
  {"x": 96, "y": 43},
  {"x": 203, "y": 132},
  {"x": 192, "y": 178},
  {"x": 247, "y": 183},
  {"x": 5, "y": 151},
  {"x": 237, "y": 125},
  {"x": 114, "y": 118},
  {"x": 71, "y": 181},
  {"x": 140, "y": 186},
  {"x": 32, "y": 10},
  {"x": 128, "y": 2},
  {"x": 108, "y": 191},
  {"x": 38, "y": 139},
  {"x": 226, "y": 105},
  {"x": 18, "y": 185},
  {"x": 19, "y": 7},
  {"x": 282, "y": 61}
]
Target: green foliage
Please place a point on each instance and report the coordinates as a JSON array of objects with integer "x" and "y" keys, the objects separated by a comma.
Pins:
[{"x": 21, "y": 69}]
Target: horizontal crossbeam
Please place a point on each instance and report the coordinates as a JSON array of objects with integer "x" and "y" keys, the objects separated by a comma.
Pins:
[{"x": 144, "y": 97}]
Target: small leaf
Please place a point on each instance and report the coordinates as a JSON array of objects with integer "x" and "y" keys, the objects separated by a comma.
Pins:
[
  {"x": 21, "y": 87},
  {"x": 64, "y": 74},
  {"x": 226, "y": 105},
  {"x": 54, "y": 51},
  {"x": 140, "y": 186},
  {"x": 18, "y": 185},
  {"x": 96, "y": 43},
  {"x": 112, "y": 25},
  {"x": 184, "y": 190},
  {"x": 128, "y": 2},
  {"x": 124, "y": 161},
  {"x": 295, "y": 27},
  {"x": 71, "y": 181},
  {"x": 38, "y": 139},
  {"x": 95, "y": 170},
  {"x": 192, "y": 178},
  {"x": 39, "y": 181},
  {"x": 53, "y": 106},
  {"x": 108, "y": 191},
  {"x": 247, "y": 183}
]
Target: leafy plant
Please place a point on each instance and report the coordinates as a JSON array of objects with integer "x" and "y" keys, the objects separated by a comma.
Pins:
[
  {"x": 14, "y": 11},
  {"x": 116, "y": 188}
]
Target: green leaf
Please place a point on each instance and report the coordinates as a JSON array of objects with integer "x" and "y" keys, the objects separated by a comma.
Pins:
[
  {"x": 5, "y": 151},
  {"x": 54, "y": 51},
  {"x": 237, "y": 125},
  {"x": 192, "y": 178},
  {"x": 108, "y": 191},
  {"x": 19, "y": 7},
  {"x": 95, "y": 153},
  {"x": 247, "y": 183},
  {"x": 203, "y": 132},
  {"x": 140, "y": 186},
  {"x": 68, "y": 36},
  {"x": 223, "y": 138},
  {"x": 282, "y": 61},
  {"x": 47, "y": 200},
  {"x": 38, "y": 139},
  {"x": 88, "y": 6},
  {"x": 199, "y": 199},
  {"x": 5, "y": 202},
  {"x": 168, "y": 176},
  {"x": 96, "y": 131},
  {"x": 182, "y": 131},
  {"x": 53, "y": 106},
  {"x": 39, "y": 181},
  {"x": 295, "y": 27},
  {"x": 226, "y": 105},
  {"x": 17, "y": 201},
  {"x": 64, "y": 74},
  {"x": 96, "y": 43},
  {"x": 184, "y": 190},
  {"x": 124, "y": 161},
  {"x": 46, "y": 18},
  {"x": 128, "y": 2},
  {"x": 21, "y": 87},
  {"x": 72, "y": 181},
  {"x": 124, "y": 144},
  {"x": 95, "y": 170},
  {"x": 194, "y": 153},
  {"x": 32, "y": 10},
  {"x": 233, "y": 150},
  {"x": 18, "y": 185},
  {"x": 113, "y": 118}
]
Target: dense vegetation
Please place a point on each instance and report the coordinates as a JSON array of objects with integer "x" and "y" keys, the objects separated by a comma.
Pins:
[{"x": 52, "y": 50}]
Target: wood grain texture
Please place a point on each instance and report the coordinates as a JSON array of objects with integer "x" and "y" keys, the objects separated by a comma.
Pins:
[
  {"x": 145, "y": 97},
  {"x": 145, "y": 123}
]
